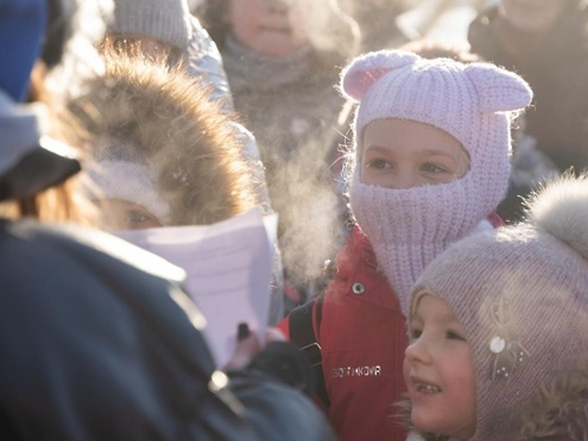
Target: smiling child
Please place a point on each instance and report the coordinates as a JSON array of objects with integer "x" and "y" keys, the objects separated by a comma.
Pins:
[{"x": 499, "y": 328}]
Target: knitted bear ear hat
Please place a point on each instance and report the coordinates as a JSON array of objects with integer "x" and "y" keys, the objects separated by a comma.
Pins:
[
  {"x": 521, "y": 294},
  {"x": 474, "y": 103}
]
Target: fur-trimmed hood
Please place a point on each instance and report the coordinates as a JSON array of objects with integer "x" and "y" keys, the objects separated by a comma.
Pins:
[
  {"x": 560, "y": 411},
  {"x": 141, "y": 112}
]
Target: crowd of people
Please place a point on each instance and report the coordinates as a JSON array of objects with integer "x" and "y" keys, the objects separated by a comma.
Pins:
[{"x": 430, "y": 267}]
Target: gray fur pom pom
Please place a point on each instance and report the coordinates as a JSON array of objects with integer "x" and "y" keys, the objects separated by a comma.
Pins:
[{"x": 560, "y": 208}]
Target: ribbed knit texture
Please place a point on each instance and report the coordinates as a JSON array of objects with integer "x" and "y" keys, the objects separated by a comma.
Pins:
[
  {"x": 248, "y": 69},
  {"x": 166, "y": 21},
  {"x": 474, "y": 104},
  {"x": 409, "y": 228},
  {"x": 528, "y": 285}
]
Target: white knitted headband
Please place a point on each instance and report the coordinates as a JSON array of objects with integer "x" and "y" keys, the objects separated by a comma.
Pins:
[{"x": 131, "y": 182}]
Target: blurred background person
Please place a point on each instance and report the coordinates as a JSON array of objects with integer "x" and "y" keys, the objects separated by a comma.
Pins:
[
  {"x": 546, "y": 42},
  {"x": 377, "y": 22},
  {"x": 281, "y": 58}
]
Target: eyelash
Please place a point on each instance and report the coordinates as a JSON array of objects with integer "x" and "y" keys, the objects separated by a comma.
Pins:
[
  {"x": 428, "y": 167},
  {"x": 455, "y": 336},
  {"x": 136, "y": 217},
  {"x": 414, "y": 334},
  {"x": 437, "y": 169},
  {"x": 378, "y": 163}
]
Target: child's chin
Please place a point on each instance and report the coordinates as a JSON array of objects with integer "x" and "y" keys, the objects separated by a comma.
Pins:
[{"x": 421, "y": 421}]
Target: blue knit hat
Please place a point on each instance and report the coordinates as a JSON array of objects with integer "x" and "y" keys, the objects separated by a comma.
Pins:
[{"x": 22, "y": 28}]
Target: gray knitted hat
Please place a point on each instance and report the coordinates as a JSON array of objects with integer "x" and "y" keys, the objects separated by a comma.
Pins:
[
  {"x": 167, "y": 21},
  {"x": 521, "y": 294}
]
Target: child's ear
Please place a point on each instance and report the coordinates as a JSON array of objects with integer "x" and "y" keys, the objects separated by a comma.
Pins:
[
  {"x": 498, "y": 90},
  {"x": 358, "y": 77}
]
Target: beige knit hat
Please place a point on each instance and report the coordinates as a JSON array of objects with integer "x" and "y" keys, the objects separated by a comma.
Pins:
[
  {"x": 521, "y": 294},
  {"x": 167, "y": 21}
]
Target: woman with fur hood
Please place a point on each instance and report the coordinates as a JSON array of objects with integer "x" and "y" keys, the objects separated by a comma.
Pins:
[
  {"x": 498, "y": 328},
  {"x": 546, "y": 42},
  {"x": 165, "y": 154},
  {"x": 167, "y": 29}
]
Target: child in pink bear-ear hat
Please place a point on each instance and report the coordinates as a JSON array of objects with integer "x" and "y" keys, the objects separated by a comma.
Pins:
[{"x": 428, "y": 165}]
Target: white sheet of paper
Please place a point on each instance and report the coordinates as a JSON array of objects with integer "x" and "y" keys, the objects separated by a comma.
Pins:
[{"x": 228, "y": 268}]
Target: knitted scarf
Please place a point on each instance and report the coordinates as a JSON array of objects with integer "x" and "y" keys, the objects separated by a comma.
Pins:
[{"x": 246, "y": 68}]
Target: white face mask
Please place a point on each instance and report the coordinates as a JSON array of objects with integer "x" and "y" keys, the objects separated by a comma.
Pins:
[{"x": 228, "y": 267}]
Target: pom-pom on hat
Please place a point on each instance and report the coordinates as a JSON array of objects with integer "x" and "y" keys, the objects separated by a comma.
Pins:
[
  {"x": 521, "y": 294},
  {"x": 167, "y": 21}
]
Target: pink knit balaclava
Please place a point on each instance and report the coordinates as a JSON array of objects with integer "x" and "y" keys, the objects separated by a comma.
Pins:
[
  {"x": 472, "y": 102},
  {"x": 521, "y": 295}
]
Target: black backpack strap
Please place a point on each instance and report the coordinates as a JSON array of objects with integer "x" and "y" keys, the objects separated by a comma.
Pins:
[{"x": 302, "y": 335}]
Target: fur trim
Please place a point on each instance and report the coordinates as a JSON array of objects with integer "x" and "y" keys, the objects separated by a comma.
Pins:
[
  {"x": 561, "y": 209},
  {"x": 404, "y": 409},
  {"x": 560, "y": 411},
  {"x": 172, "y": 127}
]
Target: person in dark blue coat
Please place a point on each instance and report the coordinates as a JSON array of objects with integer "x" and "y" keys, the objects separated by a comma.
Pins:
[{"x": 95, "y": 347}]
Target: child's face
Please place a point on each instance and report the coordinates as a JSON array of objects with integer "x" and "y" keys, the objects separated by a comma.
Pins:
[
  {"x": 271, "y": 27},
  {"x": 399, "y": 153},
  {"x": 533, "y": 15},
  {"x": 439, "y": 372},
  {"x": 118, "y": 214}
]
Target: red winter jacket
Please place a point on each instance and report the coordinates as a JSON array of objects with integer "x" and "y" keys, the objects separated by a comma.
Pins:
[{"x": 363, "y": 336}]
